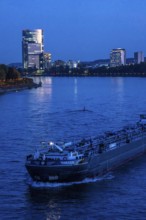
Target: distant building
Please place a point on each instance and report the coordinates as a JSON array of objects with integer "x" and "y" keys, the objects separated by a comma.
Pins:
[
  {"x": 59, "y": 63},
  {"x": 47, "y": 60},
  {"x": 32, "y": 48},
  {"x": 117, "y": 57},
  {"x": 138, "y": 57},
  {"x": 72, "y": 64}
]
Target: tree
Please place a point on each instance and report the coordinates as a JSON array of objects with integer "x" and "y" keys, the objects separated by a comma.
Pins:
[
  {"x": 12, "y": 74},
  {"x": 2, "y": 74},
  {"x": 3, "y": 71}
]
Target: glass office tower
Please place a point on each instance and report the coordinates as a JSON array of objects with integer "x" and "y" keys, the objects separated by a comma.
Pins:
[{"x": 32, "y": 48}]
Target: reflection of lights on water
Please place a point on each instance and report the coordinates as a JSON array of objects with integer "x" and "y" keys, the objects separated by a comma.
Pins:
[
  {"x": 47, "y": 80},
  {"x": 45, "y": 89},
  {"x": 118, "y": 89},
  {"x": 118, "y": 81},
  {"x": 75, "y": 89},
  {"x": 44, "y": 80},
  {"x": 54, "y": 211}
]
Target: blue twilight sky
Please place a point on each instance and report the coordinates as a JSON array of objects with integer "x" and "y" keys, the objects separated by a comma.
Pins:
[{"x": 74, "y": 29}]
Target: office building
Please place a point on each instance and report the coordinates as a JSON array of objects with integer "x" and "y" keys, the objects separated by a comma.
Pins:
[
  {"x": 46, "y": 60},
  {"x": 117, "y": 57},
  {"x": 32, "y": 48},
  {"x": 138, "y": 57}
]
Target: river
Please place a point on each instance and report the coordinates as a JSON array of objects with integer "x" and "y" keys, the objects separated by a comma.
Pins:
[{"x": 54, "y": 112}]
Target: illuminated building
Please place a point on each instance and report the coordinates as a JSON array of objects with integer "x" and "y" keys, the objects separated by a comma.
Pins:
[
  {"x": 47, "y": 60},
  {"x": 138, "y": 57},
  {"x": 117, "y": 57},
  {"x": 32, "y": 48},
  {"x": 72, "y": 64}
]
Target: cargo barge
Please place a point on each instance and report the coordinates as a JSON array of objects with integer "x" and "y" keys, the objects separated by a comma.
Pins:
[{"x": 89, "y": 157}]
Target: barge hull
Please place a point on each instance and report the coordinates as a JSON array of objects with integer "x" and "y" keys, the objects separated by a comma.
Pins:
[
  {"x": 97, "y": 165},
  {"x": 112, "y": 159}
]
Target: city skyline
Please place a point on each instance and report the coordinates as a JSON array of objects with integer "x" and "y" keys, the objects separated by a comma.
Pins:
[{"x": 77, "y": 30}]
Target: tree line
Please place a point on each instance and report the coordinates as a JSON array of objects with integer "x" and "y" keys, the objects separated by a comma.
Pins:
[
  {"x": 81, "y": 70},
  {"x": 8, "y": 73}
]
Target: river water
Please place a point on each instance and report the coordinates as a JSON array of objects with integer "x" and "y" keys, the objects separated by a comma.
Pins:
[{"x": 54, "y": 112}]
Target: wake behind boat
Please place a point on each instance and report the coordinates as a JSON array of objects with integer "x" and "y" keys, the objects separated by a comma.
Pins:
[{"x": 89, "y": 157}]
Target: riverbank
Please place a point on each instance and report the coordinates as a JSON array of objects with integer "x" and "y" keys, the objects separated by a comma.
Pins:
[
  {"x": 17, "y": 85},
  {"x": 89, "y": 74}
]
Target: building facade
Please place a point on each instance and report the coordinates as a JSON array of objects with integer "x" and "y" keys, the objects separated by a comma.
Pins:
[
  {"x": 117, "y": 57},
  {"x": 47, "y": 60},
  {"x": 32, "y": 48},
  {"x": 138, "y": 57}
]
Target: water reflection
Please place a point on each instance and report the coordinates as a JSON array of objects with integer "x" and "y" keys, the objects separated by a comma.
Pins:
[
  {"x": 118, "y": 84},
  {"x": 56, "y": 203},
  {"x": 75, "y": 90},
  {"x": 118, "y": 89},
  {"x": 46, "y": 88},
  {"x": 53, "y": 211},
  {"x": 65, "y": 202}
]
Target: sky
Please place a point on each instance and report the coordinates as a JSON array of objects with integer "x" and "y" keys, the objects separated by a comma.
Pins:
[{"x": 84, "y": 30}]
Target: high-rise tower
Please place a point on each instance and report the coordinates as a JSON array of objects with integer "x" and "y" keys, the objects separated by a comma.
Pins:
[
  {"x": 32, "y": 48},
  {"x": 138, "y": 57},
  {"x": 117, "y": 57}
]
